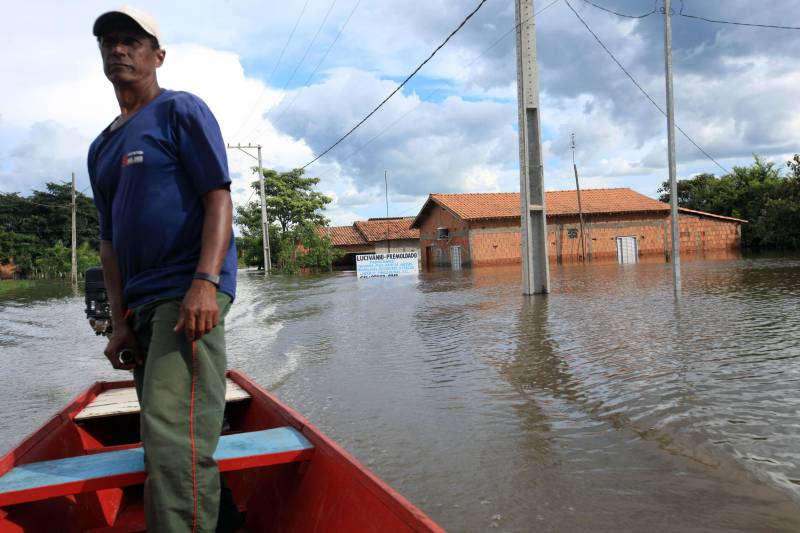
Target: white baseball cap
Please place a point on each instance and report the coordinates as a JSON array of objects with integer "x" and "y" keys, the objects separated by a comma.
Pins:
[{"x": 142, "y": 19}]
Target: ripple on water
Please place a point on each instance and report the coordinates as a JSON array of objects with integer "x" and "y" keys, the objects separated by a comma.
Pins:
[{"x": 609, "y": 402}]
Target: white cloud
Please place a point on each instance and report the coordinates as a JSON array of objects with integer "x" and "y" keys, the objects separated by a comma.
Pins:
[
  {"x": 56, "y": 120},
  {"x": 734, "y": 94}
]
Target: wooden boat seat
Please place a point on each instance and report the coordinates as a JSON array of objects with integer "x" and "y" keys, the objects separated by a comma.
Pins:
[
  {"x": 85, "y": 473},
  {"x": 123, "y": 401}
]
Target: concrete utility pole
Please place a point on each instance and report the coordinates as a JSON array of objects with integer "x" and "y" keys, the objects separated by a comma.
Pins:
[
  {"x": 580, "y": 207},
  {"x": 74, "y": 274},
  {"x": 535, "y": 269},
  {"x": 264, "y": 221},
  {"x": 673, "y": 183}
]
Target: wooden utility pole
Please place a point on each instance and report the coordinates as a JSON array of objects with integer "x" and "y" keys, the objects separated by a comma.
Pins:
[
  {"x": 264, "y": 221},
  {"x": 535, "y": 269},
  {"x": 386, "y": 192},
  {"x": 673, "y": 183},
  {"x": 74, "y": 273},
  {"x": 580, "y": 207}
]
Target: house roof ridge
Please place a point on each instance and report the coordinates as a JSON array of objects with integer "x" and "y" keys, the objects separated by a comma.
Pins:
[
  {"x": 714, "y": 215},
  {"x": 471, "y": 193}
]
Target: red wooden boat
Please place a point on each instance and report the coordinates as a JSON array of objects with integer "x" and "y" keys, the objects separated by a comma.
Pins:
[{"x": 83, "y": 471}]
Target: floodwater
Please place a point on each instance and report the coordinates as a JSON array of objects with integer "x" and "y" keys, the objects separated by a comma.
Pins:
[{"x": 608, "y": 405}]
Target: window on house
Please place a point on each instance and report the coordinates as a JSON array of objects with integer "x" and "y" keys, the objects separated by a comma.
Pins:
[
  {"x": 572, "y": 233},
  {"x": 442, "y": 234}
]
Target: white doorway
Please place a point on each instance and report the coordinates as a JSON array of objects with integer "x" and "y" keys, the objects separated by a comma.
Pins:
[
  {"x": 455, "y": 257},
  {"x": 627, "y": 250}
]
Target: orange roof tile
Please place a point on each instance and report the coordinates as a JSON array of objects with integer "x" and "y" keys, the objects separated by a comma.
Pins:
[
  {"x": 343, "y": 235},
  {"x": 375, "y": 229},
  {"x": 476, "y": 206}
]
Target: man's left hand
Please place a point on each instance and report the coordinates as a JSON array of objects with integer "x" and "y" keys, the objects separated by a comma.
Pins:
[{"x": 199, "y": 312}]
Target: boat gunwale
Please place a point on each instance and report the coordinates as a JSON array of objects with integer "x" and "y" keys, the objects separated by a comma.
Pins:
[
  {"x": 324, "y": 445},
  {"x": 392, "y": 499}
]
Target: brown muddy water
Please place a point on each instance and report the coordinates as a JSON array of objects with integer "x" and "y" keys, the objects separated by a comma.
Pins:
[{"x": 606, "y": 406}]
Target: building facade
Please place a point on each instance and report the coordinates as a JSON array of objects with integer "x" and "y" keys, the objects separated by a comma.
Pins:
[
  {"x": 373, "y": 236},
  {"x": 484, "y": 228}
]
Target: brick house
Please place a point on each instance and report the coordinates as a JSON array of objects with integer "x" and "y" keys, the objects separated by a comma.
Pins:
[
  {"x": 484, "y": 228},
  {"x": 375, "y": 235}
]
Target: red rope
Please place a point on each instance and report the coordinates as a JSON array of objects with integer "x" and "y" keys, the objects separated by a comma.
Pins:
[{"x": 191, "y": 431}]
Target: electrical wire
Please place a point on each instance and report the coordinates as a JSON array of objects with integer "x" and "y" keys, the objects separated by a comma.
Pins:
[
  {"x": 752, "y": 25},
  {"x": 645, "y": 93},
  {"x": 46, "y": 205},
  {"x": 654, "y": 11},
  {"x": 324, "y": 56},
  {"x": 58, "y": 206},
  {"x": 274, "y": 69},
  {"x": 258, "y": 131},
  {"x": 397, "y": 89},
  {"x": 772, "y": 26},
  {"x": 437, "y": 90}
]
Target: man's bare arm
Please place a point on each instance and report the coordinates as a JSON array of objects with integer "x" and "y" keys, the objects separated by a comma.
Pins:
[
  {"x": 199, "y": 310},
  {"x": 122, "y": 336}
]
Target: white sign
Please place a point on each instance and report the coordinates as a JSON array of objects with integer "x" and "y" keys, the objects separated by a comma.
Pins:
[{"x": 387, "y": 265}]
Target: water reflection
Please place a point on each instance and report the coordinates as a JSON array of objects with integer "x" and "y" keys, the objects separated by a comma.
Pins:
[{"x": 605, "y": 406}]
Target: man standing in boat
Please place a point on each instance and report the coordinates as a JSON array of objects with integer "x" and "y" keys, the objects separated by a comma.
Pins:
[{"x": 160, "y": 179}]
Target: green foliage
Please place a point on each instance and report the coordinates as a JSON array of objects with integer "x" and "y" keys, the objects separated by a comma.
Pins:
[
  {"x": 32, "y": 228},
  {"x": 760, "y": 194},
  {"x": 55, "y": 260},
  {"x": 291, "y": 198},
  {"x": 20, "y": 249},
  {"x": 294, "y": 210},
  {"x": 304, "y": 248},
  {"x": 250, "y": 243}
]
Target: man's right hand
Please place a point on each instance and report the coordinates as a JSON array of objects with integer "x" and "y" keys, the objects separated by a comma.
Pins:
[{"x": 122, "y": 338}]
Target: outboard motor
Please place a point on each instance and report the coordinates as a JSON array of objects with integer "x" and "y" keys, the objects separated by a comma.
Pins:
[{"x": 98, "y": 309}]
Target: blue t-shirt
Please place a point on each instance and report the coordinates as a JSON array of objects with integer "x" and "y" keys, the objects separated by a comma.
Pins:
[{"x": 148, "y": 178}]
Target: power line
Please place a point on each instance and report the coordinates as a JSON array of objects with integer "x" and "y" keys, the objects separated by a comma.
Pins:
[
  {"x": 623, "y": 14},
  {"x": 354, "y": 128},
  {"x": 772, "y": 26},
  {"x": 439, "y": 89},
  {"x": 681, "y": 13},
  {"x": 642, "y": 89},
  {"x": 274, "y": 69},
  {"x": 299, "y": 64},
  {"x": 324, "y": 56},
  {"x": 57, "y": 206},
  {"x": 69, "y": 206}
]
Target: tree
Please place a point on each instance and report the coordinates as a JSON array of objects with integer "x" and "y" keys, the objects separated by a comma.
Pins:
[
  {"x": 295, "y": 211},
  {"x": 305, "y": 248},
  {"x": 292, "y": 200},
  {"x": 759, "y": 194},
  {"x": 55, "y": 260},
  {"x": 31, "y": 226},
  {"x": 778, "y": 225}
]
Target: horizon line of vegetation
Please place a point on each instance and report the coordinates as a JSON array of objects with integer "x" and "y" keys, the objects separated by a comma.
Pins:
[{"x": 33, "y": 229}]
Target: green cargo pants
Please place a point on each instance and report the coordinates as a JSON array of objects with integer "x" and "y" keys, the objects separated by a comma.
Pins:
[{"x": 181, "y": 391}]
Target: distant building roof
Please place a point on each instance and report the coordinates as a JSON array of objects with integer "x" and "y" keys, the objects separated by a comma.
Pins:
[
  {"x": 377, "y": 229},
  {"x": 712, "y": 215},
  {"x": 343, "y": 235},
  {"x": 372, "y": 230},
  {"x": 478, "y": 206}
]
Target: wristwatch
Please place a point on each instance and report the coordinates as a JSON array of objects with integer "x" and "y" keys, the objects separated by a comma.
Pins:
[{"x": 207, "y": 277}]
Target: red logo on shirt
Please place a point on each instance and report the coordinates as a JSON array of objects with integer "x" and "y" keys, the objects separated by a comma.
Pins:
[{"x": 132, "y": 158}]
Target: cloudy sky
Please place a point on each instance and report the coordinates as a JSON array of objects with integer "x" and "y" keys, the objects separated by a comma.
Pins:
[{"x": 295, "y": 75}]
